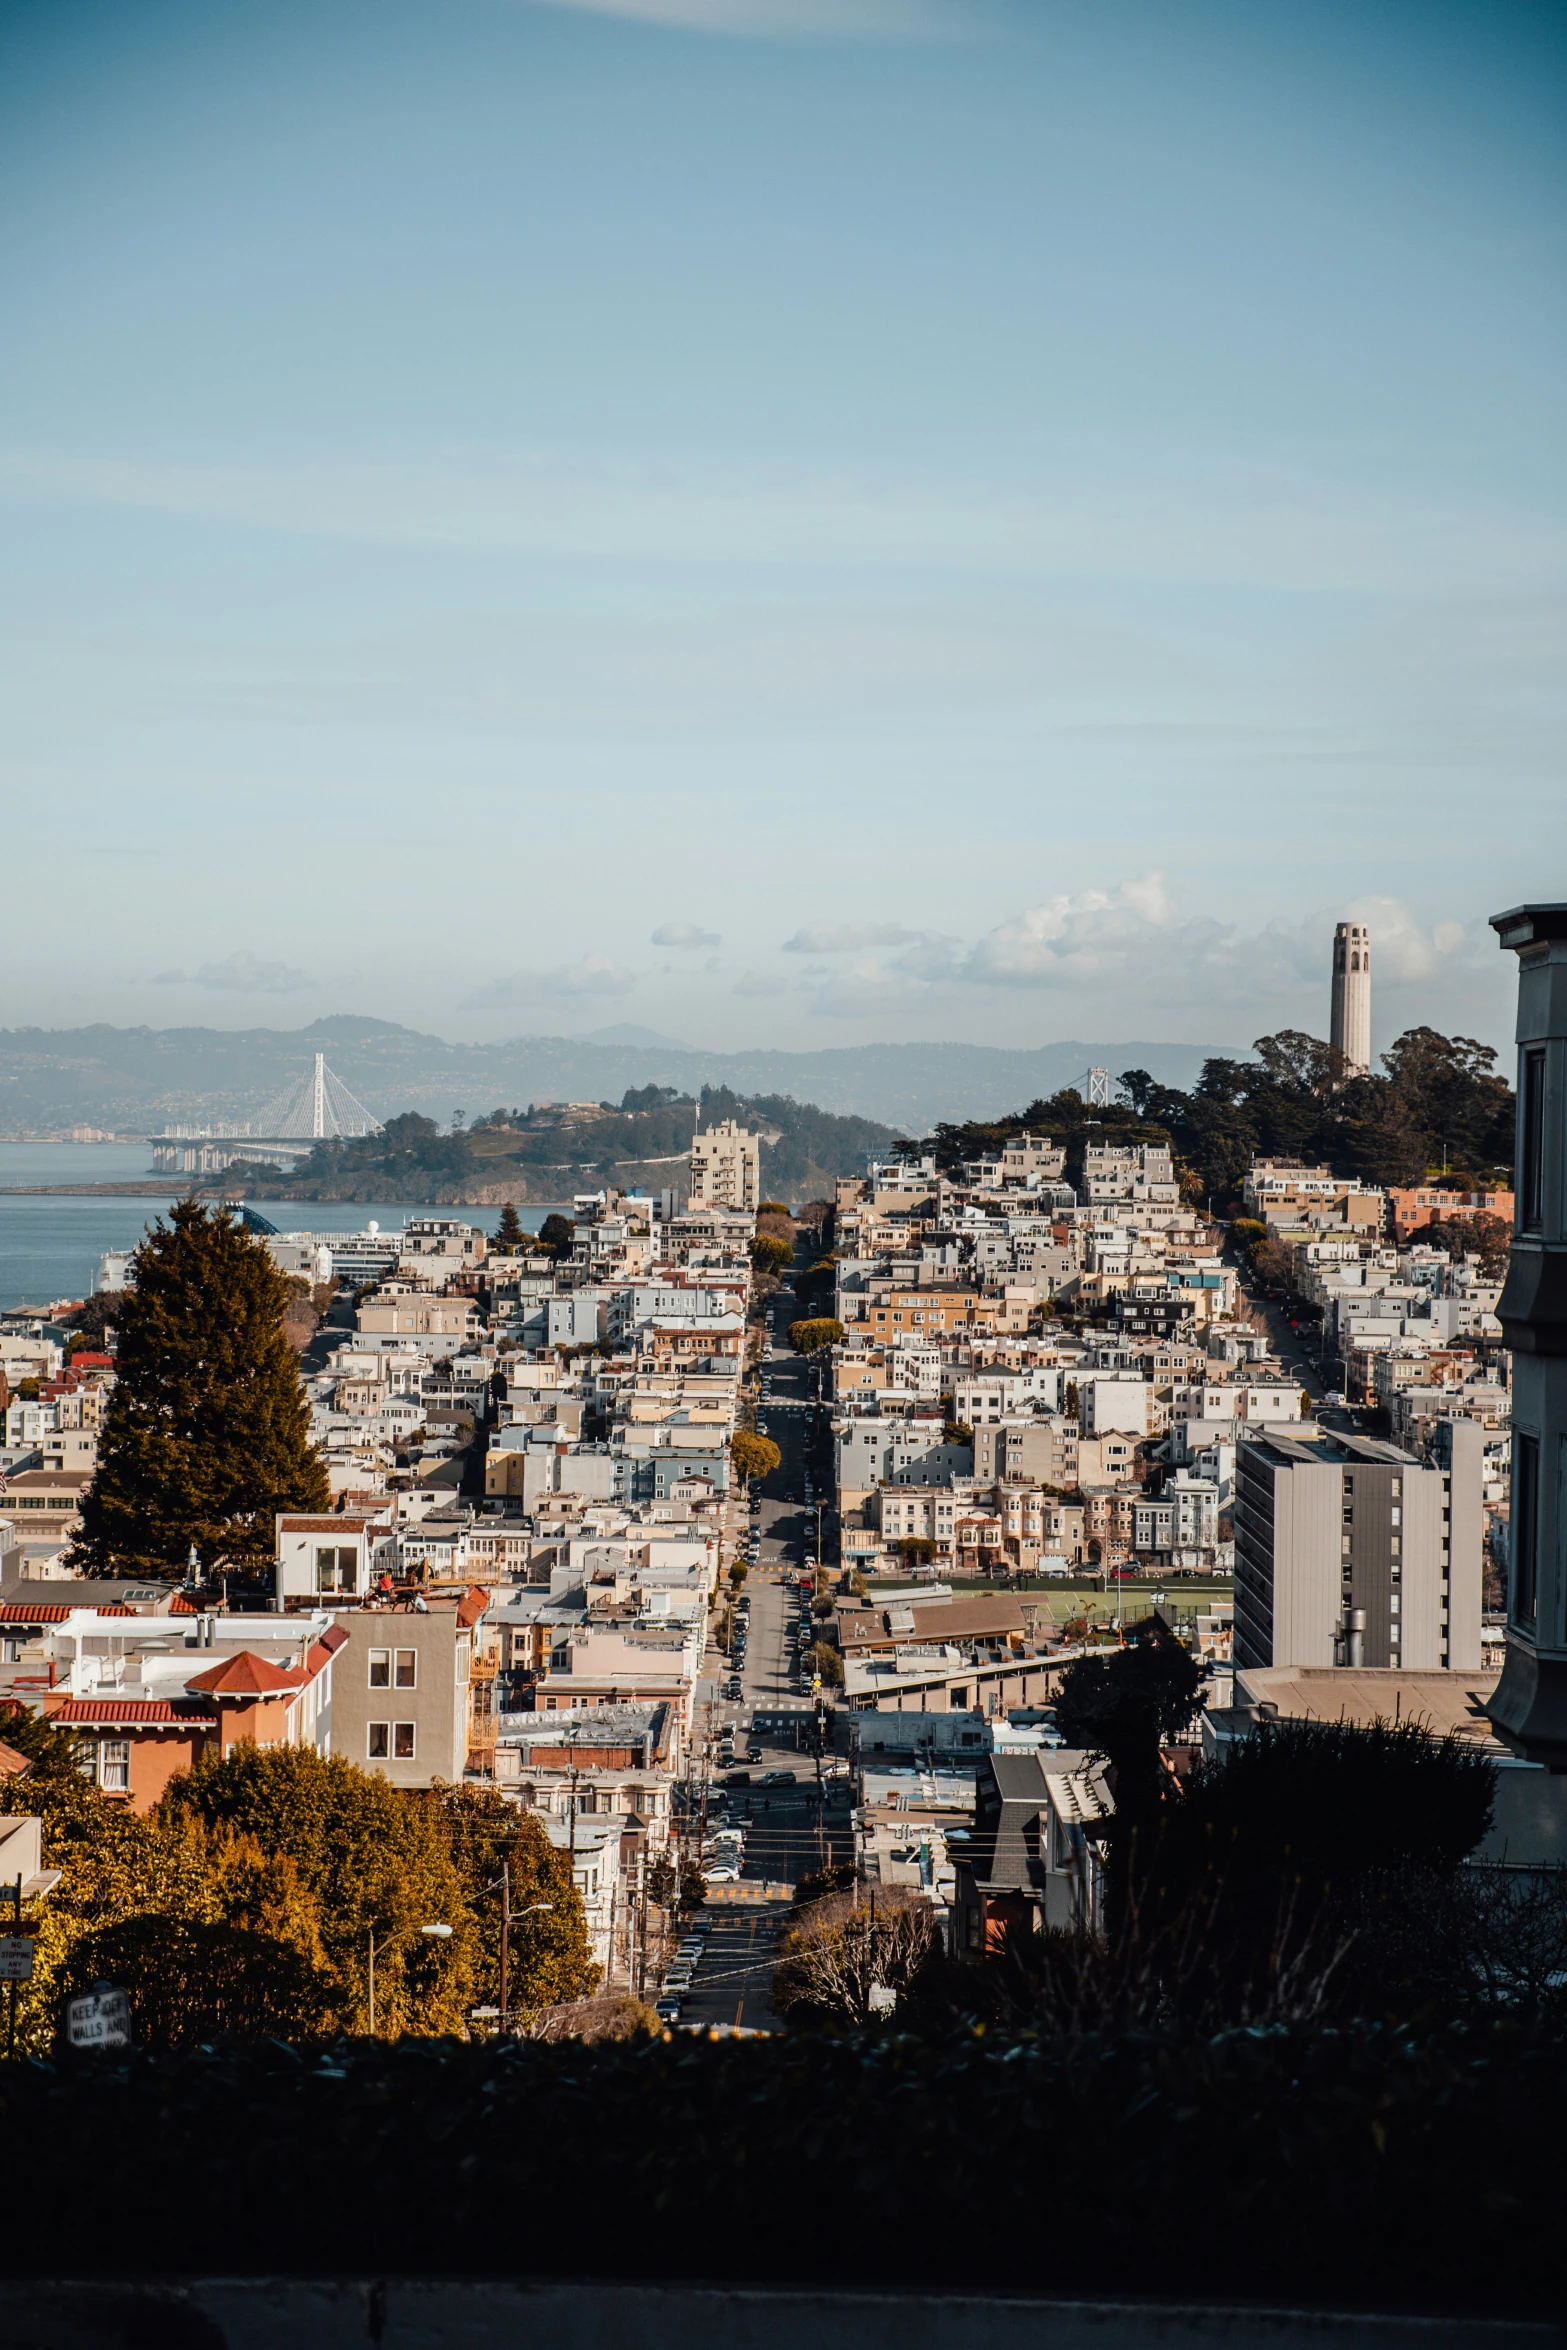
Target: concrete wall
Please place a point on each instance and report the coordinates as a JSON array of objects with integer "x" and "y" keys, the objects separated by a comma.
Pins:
[{"x": 419, "y": 2313}]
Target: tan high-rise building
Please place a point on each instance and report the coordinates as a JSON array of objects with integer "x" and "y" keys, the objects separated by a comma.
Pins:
[
  {"x": 1351, "y": 1030},
  {"x": 726, "y": 1167}
]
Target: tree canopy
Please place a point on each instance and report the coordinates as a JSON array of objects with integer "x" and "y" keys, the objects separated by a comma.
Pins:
[
  {"x": 206, "y": 1435},
  {"x": 817, "y": 1330},
  {"x": 1436, "y": 1096},
  {"x": 753, "y": 1455},
  {"x": 245, "y": 1903}
]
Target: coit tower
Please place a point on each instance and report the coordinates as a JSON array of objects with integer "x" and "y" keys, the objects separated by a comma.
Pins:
[{"x": 1351, "y": 1034}]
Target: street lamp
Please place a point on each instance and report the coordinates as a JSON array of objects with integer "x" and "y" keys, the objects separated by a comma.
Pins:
[
  {"x": 507, "y": 1915},
  {"x": 436, "y": 1934}
]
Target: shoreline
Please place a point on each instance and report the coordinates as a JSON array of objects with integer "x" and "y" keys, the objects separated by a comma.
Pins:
[{"x": 152, "y": 1189}]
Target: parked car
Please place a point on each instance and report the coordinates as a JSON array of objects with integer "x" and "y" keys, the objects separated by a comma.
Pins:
[
  {"x": 724, "y": 1874},
  {"x": 741, "y": 1778},
  {"x": 667, "y": 2010}
]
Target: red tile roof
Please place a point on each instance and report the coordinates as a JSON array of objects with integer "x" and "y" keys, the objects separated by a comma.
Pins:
[
  {"x": 34, "y": 1611},
  {"x": 472, "y": 1605},
  {"x": 339, "y": 1525},
  {"x": 247, "y": 1675},
  {"x": 79, "y": 1712},
  {"x": 11, "y": 1762}
]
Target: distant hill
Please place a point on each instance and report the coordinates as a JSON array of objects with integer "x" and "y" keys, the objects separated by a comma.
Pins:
[
  {"x": 551, "y": 1155},
  {"x": 136, "y": 1080}
]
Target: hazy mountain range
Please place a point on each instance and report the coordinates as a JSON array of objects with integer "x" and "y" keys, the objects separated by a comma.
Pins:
[{"x": 138, "y": 1080}]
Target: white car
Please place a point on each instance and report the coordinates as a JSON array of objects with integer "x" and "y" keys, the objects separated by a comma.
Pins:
[{"x": 724, "y": 1874}]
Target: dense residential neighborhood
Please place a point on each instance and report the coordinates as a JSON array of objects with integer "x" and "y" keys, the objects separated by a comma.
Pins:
[
  {"x": 1032, "y": 1588},
  {"x": 687, "y": 1492}
]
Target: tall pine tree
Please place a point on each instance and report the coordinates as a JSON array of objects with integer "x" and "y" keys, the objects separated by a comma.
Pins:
[
  {"x": 509, "y": 1235},
  {"x": 206, "y": 1434}
]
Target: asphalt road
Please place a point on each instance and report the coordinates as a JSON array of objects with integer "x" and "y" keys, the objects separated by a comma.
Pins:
[
  {"x": 731, "y": 1984},
  {"x": 794, "y": 1829}
]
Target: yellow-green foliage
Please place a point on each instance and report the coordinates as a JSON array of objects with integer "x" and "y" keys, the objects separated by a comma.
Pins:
[{"x": 245, "y": 1904}]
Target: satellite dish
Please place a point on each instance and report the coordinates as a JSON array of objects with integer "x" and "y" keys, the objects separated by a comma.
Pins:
[{"x": 372, "y": 1226}]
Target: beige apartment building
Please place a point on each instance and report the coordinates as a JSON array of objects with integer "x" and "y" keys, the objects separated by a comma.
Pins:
[
  {"x": 416, "y": 1314},
  {"x": 726, "y": 1168},
  {"x": 403, "y": 1691}
]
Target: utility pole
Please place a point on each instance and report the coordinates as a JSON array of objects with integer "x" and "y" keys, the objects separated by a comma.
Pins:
[
  {"x": 505, "y": 1943},
  {"x": 10, "y": 2047}
]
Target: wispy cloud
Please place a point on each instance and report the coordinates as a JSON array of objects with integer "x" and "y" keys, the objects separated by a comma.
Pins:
[
  {"x": 1200, "y": 521},
  {"x": 684, "y": 934},
  {"x": 782, "y": 20},
  {"x": 595, "y": 975},
  {"x": 241, "y": 973},
  {"x": 846, "y": 938}
]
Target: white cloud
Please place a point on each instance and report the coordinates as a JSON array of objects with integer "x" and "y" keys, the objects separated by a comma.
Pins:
[
  {"x": 846, "y": 938},
  {"x": 1087, "y": 934},
  {"x": 1134, "y": 939},
  {"x": 596, "y": 974},
  {"x": 684, "y": 934},
  {"x": 241, "y": 973},
  {"x": 1132, "y": 951}
]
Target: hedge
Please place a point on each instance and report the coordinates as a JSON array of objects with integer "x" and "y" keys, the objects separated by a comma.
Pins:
[{"x": 1348, "y": 2168}]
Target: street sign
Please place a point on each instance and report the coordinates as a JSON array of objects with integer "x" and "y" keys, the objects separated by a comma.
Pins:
[
  {"x": 16, "y": 1958},
  {"x": 101, "y": 2020}
]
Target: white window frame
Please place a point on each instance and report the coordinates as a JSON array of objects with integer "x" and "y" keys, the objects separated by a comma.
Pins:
[
  {"x": 381, "y": 1657},
  {"x": 119, "y": 1749},
  {"x": 383, "y": 1753},
  {"x": 399, "y": 1731},
  {"x": 399, "y": 1656}
]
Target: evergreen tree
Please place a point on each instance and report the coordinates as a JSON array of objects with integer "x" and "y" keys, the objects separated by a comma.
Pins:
[
  {"x": 206, "y": 1435},
  {"x": 509, "y": 1235}
]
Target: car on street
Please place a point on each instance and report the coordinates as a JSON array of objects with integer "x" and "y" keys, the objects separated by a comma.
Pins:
[
  {"x": 740, "y": 1778},
  {"x": 733, "y": 1690},
  {"x": 753, "y": 1754},
  {"x": 678, "y": 1978},
  {"x": 724, "y": 1874},
  {"x": 776, "y": 1779},
  {"x": 667, "y": 2010}
]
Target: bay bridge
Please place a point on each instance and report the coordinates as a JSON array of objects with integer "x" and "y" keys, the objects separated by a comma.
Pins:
[{"x": 319, "y": 1108}]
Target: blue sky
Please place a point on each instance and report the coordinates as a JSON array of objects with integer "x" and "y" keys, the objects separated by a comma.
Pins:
[{"x": 784, "y": 521}]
